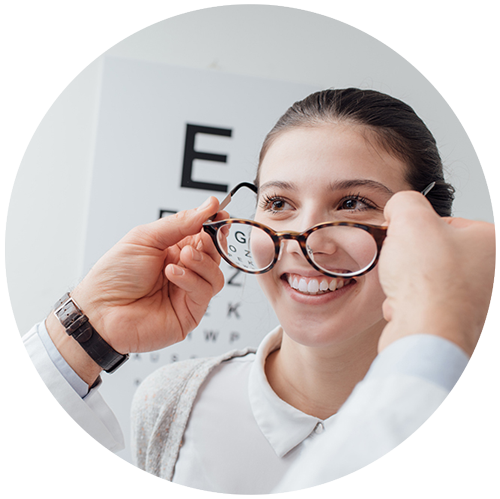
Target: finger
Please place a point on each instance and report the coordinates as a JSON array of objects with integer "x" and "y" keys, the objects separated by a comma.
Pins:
[
  {"x": 202, "y": 243},
  {"x": 189, "y": 296},
  {"x": 406, "y": 204},
  {"x": 204, "y": 266},
  {"x": 170, "y": 230},
  {"x": 222, "y": 215},
  {"x": 207, "y": 246},
  {"x": 198, "y": 290},
  {"x": 206, "y": 243}
]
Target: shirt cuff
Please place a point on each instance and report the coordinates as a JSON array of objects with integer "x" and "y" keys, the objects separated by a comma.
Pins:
[
  {"x": 424, "y": 356},
  {"x": 63, "y": 367},
  {"x": 91, "y": 412}
]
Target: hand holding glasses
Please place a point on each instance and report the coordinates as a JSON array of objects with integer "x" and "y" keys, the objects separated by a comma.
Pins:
[{"x": 336, "y": 249}]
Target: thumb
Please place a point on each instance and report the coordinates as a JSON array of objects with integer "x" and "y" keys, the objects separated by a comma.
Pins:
[
  {"x": 168, "y": 231},
  {"x": 406, "y": 205}
]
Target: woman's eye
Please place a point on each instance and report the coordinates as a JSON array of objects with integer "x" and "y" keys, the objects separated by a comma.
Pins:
[
  {"x": 353, "y": 204},
  {"x": 275, "y": 205}
]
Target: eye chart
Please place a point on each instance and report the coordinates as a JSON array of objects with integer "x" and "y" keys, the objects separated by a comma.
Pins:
[{"x": 167, "y": 139}]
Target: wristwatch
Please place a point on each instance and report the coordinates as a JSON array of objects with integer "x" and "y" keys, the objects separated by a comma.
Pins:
[{"x": 77, "y": 325}]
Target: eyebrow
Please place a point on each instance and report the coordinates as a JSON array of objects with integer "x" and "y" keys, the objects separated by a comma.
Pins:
[
  {"x": 278, "y": 184},
  {"x": 338, "y": 185},
  {"x": 361, "y": 182}
]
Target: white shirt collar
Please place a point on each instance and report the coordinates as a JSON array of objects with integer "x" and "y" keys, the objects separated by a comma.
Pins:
[{"x": 284, "y": 426}]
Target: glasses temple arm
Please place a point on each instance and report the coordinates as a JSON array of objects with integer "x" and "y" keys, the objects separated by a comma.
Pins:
[
  {"x": 428, "y": 188},
  {"x": 227, "y": 199}
]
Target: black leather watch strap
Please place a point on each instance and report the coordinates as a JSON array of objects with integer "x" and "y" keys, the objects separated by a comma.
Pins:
[{"x": 77, "y": 325}]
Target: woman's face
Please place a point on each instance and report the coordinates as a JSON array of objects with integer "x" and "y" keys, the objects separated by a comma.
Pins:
[{"x": 321, "y": 174}]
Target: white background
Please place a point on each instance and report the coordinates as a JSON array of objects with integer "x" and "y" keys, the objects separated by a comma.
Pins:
[{"x": 47, "y": 46}]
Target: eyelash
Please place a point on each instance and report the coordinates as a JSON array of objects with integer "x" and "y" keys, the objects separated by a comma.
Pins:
[
  {"x": 268, "y": 200},
  {"x": 358, "y": 197}
]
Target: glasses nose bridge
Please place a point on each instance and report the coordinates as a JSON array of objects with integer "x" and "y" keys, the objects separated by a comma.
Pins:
[
  {"x": 290, "y": 234},
  {"x": 287, "y": 236}
]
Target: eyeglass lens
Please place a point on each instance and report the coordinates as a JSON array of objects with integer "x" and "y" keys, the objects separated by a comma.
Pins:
[
  {"x": 337, "y": 249},
  {"x": 247, "y": 246}
]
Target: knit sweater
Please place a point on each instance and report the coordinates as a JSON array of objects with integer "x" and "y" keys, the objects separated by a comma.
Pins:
[{"x": 161, "y": 408}]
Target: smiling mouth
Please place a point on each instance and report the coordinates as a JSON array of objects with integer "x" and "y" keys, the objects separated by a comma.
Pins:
[{"x": 315, "y": 285}]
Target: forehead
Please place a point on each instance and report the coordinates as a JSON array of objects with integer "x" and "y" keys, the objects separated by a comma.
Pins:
[{"x": 324, "y": 154}]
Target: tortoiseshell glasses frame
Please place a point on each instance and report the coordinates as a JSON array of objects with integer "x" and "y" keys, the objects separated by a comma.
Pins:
[{"x": 378, "y": 233}]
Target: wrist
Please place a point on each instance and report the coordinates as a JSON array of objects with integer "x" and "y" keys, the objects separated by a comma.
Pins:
[
  {"x": 72, "y": 352},
  {"x": 91, "y": 305},
  {"x": 77, "y": 325},
  {"x": 87, "y": 305},
  {"x": 444, "y": 325}
]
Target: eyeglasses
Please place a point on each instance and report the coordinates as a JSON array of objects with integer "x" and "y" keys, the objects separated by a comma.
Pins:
[{"x": 336, "y": 249}]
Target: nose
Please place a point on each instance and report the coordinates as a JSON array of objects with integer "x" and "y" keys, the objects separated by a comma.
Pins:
[
  {"x": 308, "y": 218},
  {"x": 323, "y": 242},
  {"x": 289, "y": 246},
  {"x": 322, "y": 250}
]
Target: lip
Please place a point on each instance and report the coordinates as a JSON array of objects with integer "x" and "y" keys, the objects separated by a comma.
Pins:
[
  {"x": 303, "y": 272},
  {"x": 319, "y": 299}
]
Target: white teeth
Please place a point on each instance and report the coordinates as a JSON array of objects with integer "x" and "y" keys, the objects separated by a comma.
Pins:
[
  {"x": 313, "y": 286},
  {"x": 333, "y": 284}
]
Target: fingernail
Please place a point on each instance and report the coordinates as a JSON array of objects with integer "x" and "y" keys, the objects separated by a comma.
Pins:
[
  {"x": 195, "y": 255},
  {"x": 176, "y": 270},
  {"x": 204, "y": 205}
]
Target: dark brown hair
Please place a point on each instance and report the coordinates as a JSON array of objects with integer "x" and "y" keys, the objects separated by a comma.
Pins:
[{"x": 394, "y": 124}]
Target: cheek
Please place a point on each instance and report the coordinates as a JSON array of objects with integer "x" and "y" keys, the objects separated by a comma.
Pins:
[
  {"x": 269, "y": 286},
  {"x": 262, "y": 248},
  {"x": 373, "y": 294}
]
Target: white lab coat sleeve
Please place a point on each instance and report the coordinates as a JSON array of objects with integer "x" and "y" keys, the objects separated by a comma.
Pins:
[
  {"x": 405, "y": 384},
  {"x": 90, "y": 412}
]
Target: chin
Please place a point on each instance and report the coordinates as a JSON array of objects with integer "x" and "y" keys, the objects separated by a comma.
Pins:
[
  {"x": 311, "y": 333},
  {"x": 325, "y": 334},
  {"x": 349, "y": 312}
]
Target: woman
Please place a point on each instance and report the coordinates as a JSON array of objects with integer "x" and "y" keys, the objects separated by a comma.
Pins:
[
  {"x": 336, "y": 156},
  {"x": 238, "y": 422}
]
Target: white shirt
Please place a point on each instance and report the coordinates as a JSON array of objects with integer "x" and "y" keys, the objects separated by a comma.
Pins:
[
  {"x": 260, "y": 444},
  {"x": 91, "y": 412},
  {"x": 405, "y": 384},
  {"x": 241, "y": 437}
]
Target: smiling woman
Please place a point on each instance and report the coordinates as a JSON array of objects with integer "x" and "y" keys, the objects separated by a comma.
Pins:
[
  {"x": 243, "y": 421},
  {"x": 338, "y": 155}
]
